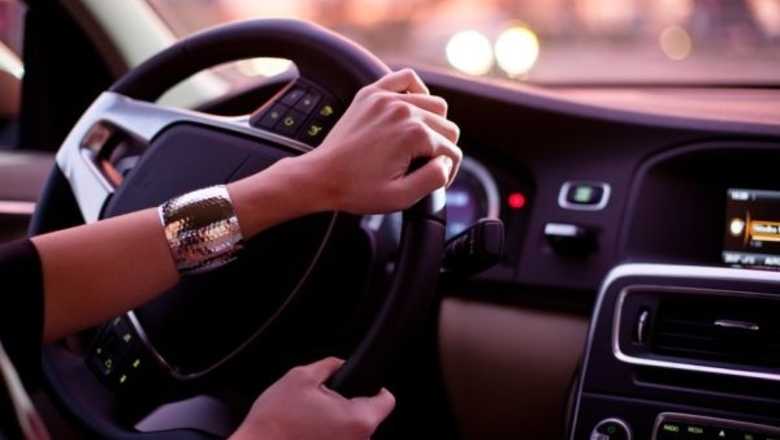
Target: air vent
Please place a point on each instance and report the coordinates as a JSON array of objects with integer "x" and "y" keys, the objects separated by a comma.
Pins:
[{"x": 731, "y": 330}]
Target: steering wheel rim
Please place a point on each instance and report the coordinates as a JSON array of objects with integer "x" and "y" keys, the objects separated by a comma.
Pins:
[{"x": 349, "y": 68}]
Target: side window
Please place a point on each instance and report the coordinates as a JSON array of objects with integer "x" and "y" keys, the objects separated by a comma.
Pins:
[{"x": 11, "y": 68}]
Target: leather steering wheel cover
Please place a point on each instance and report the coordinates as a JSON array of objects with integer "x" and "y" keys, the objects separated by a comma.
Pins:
[{"x": 349, "y": 68}]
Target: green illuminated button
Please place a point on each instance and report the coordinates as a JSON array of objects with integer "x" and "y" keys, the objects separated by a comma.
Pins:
[
  {"x": 670, "y": 427},
  {"x": 326, "y": 110},
  {"x": 695, "y": 430},
  {"x": 290, "y": 123},
  {"x": 581, "y": 193},
  {"x": 314, "y": 129},
  {"x": 313, "y": 132}
]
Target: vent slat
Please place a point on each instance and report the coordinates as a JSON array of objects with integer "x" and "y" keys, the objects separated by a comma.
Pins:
[{"x": 686, "y": 328}]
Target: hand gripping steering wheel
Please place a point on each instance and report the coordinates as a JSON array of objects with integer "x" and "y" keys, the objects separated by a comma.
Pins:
[{"x": 209, "y": 320}]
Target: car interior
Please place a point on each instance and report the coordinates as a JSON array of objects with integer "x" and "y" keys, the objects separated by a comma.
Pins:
[{"x": 604, "y": 266}]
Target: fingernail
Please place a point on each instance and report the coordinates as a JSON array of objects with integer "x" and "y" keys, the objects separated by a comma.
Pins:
[{"x": 447, "y": 162}]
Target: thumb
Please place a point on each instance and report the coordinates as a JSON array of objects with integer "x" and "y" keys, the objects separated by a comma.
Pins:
[
  {"x": 321, "y": 370},
  {"x": 375, "y": 409}
]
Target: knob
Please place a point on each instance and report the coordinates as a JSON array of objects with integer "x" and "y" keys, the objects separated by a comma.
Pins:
[{"x": 611, "y": 429}]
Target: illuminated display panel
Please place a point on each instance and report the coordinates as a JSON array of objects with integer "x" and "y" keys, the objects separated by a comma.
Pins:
[{"x": 752, "y": 235}]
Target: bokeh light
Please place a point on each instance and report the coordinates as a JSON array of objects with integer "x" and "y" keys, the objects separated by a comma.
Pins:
[
  {"x": 470, "y": 52},
  {"x": 517, "y": 50},
  {"x": 676, "y": 43}
]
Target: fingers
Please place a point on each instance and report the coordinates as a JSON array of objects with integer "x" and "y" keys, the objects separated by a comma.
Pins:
[
  {"x": 320, "y": 371},
  {"x": 430, "y": 177},
  {"x": 404, "y": 80},
  {"x": 441, "y": 125},
  {"x": 433, "y": 104},
  {"x": 373, "y": 410}
]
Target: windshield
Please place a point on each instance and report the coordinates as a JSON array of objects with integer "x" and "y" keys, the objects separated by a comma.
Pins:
[{"x": 540, "y": 41}]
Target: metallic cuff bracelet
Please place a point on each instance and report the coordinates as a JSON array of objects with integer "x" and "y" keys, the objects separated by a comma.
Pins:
[{"x": 202, "y": 229}]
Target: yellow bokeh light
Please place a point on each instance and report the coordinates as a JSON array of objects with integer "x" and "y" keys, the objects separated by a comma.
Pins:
[
  {"x": 676, "y": 43},
  {"x": 517, "y": 50},
  {"x": 470, "y": 52}
]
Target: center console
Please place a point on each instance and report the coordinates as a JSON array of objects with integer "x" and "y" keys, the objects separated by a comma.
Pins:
[
  {"x": 682, "y": 352},
  {"x": 685, "y": 337}
]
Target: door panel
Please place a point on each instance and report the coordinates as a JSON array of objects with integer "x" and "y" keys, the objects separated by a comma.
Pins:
[{"x": 22, "y": 176}]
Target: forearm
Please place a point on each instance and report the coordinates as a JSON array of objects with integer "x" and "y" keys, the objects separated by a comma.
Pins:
[{"x": 97, "y": 271}]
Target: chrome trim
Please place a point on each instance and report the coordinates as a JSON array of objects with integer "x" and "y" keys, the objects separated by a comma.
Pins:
[
  {"x": 679, "y": 365},
  {"x": 565, "y": 204},
  {"x": 176, "y": 372},
  {"x": 142, "y": 120},
  {"x": 740, "y": 325},
  {"x": 16, "y": 207},
  {"x": 613, "y": 420},
  {"x": 705, "y": 420},
  {"x": 646, "y": 269},
  {"x": 641, "y": 327}
]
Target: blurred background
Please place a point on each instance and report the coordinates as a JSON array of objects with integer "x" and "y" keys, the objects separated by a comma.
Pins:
[
  {"x": 542, "y": 41},
  {"x": 538, "y": 41}
]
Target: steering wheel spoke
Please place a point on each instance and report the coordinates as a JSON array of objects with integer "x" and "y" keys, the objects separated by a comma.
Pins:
[{"x": 84, "y": 155}]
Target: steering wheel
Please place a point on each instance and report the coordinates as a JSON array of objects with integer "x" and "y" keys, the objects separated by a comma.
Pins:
[{"x": 208, "y": 322}]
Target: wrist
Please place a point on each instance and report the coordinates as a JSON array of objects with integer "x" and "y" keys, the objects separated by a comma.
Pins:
[
  {"x": 288, "y": 189},
  {"x": 258, "y": 430}
]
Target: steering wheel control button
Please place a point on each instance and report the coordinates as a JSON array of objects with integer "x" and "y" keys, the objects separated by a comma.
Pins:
[
  {"x": 292, "y": 96},
  {"x": 611, "y": 429},
  {"x": 272, "y": 116},
  {"x": 584, "y": 196},
  {"x": 118, "y": 358},
  {"x": 290, "y": 123},
  {"x": 327, "y": 110},
  {"x": 314, "y": 132},
  {"x": 308, "y": 102}
]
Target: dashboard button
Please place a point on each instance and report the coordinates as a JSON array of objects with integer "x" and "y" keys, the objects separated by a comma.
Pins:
[
  {"x": 670, "y": 431},
  {"x": 570, "y": 239},
  {"x": 611, "y": 429},
  {"x": 584, "y": 196}
]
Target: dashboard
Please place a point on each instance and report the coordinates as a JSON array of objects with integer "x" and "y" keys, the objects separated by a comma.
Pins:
[
  {"x": 665, "y": 228},
  {"x": 635, "y": 217}
]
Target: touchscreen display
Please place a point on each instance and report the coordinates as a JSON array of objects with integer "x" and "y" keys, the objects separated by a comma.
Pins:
[{"x": 752, "y": 237}]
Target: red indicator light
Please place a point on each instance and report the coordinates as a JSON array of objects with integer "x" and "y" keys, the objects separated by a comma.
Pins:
[{"x": 516, "y": 200}]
